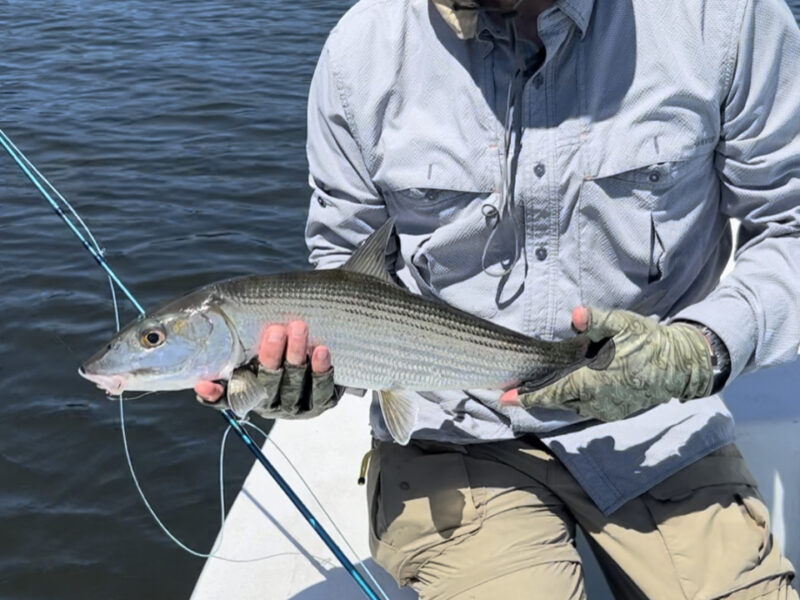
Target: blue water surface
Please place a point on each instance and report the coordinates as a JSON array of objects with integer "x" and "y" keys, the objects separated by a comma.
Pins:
[{"x": 177, "y": 129}]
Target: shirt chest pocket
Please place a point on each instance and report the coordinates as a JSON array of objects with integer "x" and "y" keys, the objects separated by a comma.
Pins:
[
  {"x": 443, "y": 233},
  {"x": 444, "y": 219},
  {"x": 639, "y": 215},
  {"x": 426, "y": 183}
]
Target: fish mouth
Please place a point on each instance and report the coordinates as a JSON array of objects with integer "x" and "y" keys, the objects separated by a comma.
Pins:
[{"x": 111, "y": 384}]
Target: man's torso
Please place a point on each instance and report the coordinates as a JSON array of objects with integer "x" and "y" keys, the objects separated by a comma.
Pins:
[{"x": 617, "y": 194}]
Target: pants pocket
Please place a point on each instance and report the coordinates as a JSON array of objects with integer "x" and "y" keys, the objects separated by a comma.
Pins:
[
  {"x": 756, "y": 516},
  {"x": 419, "y": 498},
  {"x": 715, "y": 527}
]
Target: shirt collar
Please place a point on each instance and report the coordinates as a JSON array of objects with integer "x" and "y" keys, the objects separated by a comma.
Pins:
[
  {"x": 462, "y": 17},
  {"x": 580, "y": 11}
]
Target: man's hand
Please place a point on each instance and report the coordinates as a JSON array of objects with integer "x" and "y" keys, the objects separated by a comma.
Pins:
[
  {"x": 288, "y": 387},
  {"x": 652, "y": 364}
]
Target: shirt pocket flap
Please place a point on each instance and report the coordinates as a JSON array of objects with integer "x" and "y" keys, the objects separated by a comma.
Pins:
[
  {"x": 649, "y": 163},
  {"x": 434, "y": 168},
  {"x": 711, "y": 470},
  {"x": 428, "y": 196}
]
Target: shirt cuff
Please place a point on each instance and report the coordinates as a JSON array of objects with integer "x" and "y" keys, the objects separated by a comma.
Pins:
[{"x": 732, "y": 319}]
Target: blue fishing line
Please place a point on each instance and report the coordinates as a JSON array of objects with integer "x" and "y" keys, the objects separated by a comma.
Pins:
[
  {"x": 18, "y": 154},
  {"x": 96, "y": 252},
  {"x": 287, "y": 489},
  {"x": 247, "y": 423}
]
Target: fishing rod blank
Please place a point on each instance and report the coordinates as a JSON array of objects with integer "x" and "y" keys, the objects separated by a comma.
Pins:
[{"x": 253, "y": 447}]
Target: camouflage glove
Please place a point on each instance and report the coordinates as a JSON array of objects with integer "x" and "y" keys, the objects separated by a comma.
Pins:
[
  {"x": 291, "y": 392},
  {"x": 294, "y": 392},
  {"x": 652, "y": 364}
]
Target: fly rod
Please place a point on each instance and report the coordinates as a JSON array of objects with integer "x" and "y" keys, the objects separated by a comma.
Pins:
[{"x": 28, "y": 169}]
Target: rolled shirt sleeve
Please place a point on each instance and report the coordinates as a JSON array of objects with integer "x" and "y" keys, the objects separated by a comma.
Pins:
[
  {"x": 345, "y": 205},
  {"x": 756, "y": 308}
]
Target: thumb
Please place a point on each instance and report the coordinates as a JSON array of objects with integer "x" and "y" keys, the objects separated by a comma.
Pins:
[
  {"x": 580, "y": 318},
  {"x": 209, "y": 391}
]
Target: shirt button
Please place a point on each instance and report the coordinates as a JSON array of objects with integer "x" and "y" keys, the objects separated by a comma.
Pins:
[
  {"x": 541, "y": 253},
  {"x": 539, "y": 170},
  {"x": 654, "y": 177},
  {"x": 321, "y": 201}
]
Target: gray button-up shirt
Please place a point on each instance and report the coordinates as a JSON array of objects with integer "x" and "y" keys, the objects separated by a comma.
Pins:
[{"x": 646, "y": 128}]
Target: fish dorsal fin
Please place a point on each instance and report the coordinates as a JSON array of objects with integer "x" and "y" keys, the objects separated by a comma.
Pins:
[{"x": 370, "y": 257}]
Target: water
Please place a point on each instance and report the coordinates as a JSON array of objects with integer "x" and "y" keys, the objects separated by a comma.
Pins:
[{"x": 177, "y": 128}]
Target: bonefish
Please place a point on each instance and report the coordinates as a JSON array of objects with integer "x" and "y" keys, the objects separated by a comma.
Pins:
[{"x": 380, "y": 337}]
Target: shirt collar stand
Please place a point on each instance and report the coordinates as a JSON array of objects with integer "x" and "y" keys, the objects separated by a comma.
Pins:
[{"x": 580, "y": 11}]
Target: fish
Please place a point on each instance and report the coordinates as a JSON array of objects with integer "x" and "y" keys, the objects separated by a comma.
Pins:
[{"x": 380, "y": 336}]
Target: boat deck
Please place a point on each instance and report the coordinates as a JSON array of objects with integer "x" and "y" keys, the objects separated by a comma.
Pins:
[{"x": 328, "y": 451}]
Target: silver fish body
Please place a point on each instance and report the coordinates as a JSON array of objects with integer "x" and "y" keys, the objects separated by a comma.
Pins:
[
  {"x": 380, "y": 337},
  {"x": 383, "y": 337}
]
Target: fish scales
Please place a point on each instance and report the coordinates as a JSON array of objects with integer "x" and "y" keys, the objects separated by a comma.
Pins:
[
  {"x": 383, "y": 337},
  {"x": 355, "y": 301},
  {"x": 296, "y": 302}
]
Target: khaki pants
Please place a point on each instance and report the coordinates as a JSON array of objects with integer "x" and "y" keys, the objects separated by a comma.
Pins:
[{"x": 497, "y": 521}]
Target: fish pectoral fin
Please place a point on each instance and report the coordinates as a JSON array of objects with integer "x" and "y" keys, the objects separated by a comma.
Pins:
[
  {"x": 244, "y": 392},
  {"x": 370, "y": 258},
  {"x": 400, "y": 410}
]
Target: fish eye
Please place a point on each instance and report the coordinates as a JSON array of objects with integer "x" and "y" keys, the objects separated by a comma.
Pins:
[{"x": 152, "y": 338}]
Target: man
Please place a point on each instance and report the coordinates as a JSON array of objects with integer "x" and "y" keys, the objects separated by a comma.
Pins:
[{"x": 540, "y": 157}]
